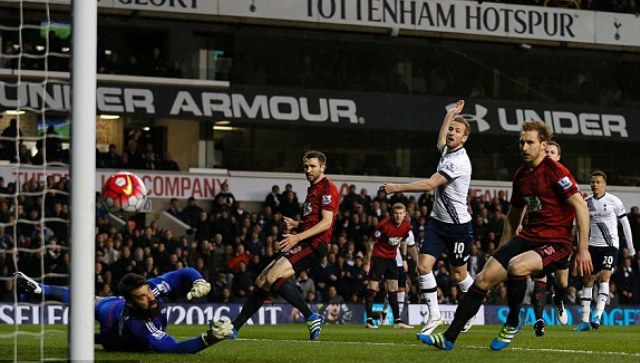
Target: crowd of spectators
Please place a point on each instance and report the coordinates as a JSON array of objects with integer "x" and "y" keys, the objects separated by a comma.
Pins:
[
  {"x": 230, "y": 245},
  {"x": 135, "y": 157},
  {"x": 139, "y": 153},
  {"x": 48, "y": 148}
]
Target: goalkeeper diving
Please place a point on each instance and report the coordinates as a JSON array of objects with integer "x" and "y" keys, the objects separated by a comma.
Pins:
[{"x": 137, "y": 320}]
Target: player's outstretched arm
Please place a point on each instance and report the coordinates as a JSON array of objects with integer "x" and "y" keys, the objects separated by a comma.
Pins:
[
  {"x": 162, "y": 342},
  {"x": 425, "y": 185},
  {"x": 172, "y": 280}
]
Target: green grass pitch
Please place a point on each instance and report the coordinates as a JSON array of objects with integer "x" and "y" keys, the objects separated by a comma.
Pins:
[{"x": 353, "y": 343}]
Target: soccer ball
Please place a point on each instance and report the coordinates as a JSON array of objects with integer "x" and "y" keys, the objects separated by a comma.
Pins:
[{"x": 124, "y": 193}]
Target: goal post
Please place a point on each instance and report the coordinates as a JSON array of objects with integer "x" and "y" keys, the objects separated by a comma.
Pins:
[{"x": 83, "y": 179}]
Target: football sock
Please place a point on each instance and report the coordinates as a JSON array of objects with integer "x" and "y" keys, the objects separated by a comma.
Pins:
[
  {"x": 290, "y": 293},
  {"x": 585, "y": 302},
  {"x": 401, "y": 301},
  {"x": 466, "y": 283},
  {"x": 539, "y": 295},
  {"x": 58, "y": 293},
  {"x": 558, "y": 293},
  {"x": 393, "y": 302},
  {"x": 603, "y": 296},
  {"x": 251, "y": 306},
  {"x": 429, "y": 291},
  {"x": 516, "y": 290},
  {"x": 371, "y": 295},
  {"x": 467, "y": 308}
]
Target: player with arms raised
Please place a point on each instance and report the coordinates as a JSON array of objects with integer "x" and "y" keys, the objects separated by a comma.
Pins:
[
  {"x": 449, "y": 228},
  {"x": 548, "y": 191}
]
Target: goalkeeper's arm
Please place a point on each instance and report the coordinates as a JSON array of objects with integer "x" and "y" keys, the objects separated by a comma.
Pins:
[
  {"x": 162, "y": 342},
  {"x": 172, "y": 280}
]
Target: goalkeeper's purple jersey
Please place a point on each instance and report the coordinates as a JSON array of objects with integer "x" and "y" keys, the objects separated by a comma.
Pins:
[{"x": 121, "y": 330}]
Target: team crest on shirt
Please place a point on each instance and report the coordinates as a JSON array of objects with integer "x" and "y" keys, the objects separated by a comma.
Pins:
[
  {"x": 565, "y": 183},
  {"x": 377, "y": 234},
  {"x": 326, "y": 199}
]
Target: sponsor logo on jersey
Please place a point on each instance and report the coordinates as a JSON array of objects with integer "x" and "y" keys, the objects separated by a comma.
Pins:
[
  {"x": 393, "y": 241},
  {"x": 565, "y": 183},
  {"x": 533, "y": 203},
  {"x": 306, "y": 209},
  {"x": 449, "y": 166}
]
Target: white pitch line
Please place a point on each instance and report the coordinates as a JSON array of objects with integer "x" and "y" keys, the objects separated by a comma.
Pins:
[
  {"x": 571, "y": 351},
  {"x": 549, "y": 350}
]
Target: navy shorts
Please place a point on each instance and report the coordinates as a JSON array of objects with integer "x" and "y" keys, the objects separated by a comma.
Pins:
[
  {"x": 454, "y": 239},
  {"x": 603, "y": 258},
  {"x": 555, "y": 255}
]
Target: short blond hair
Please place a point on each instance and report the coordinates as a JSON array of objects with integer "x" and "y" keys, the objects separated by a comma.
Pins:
[
  {"x": 463, "y": 121},
  {"x": 397, "y": 206}
]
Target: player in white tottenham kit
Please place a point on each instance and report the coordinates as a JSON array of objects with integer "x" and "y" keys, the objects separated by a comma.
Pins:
[
  {"x": 449, "y": 228},
  {"x": 605, "y": 210}
]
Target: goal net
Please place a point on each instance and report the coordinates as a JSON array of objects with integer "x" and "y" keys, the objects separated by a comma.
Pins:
[{"x": 41, "y": 93}]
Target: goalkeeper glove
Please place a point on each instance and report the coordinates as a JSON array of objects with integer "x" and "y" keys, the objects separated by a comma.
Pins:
[
  {"x": 200, "y": 289},
  {"x": 219, "y": 330}
]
